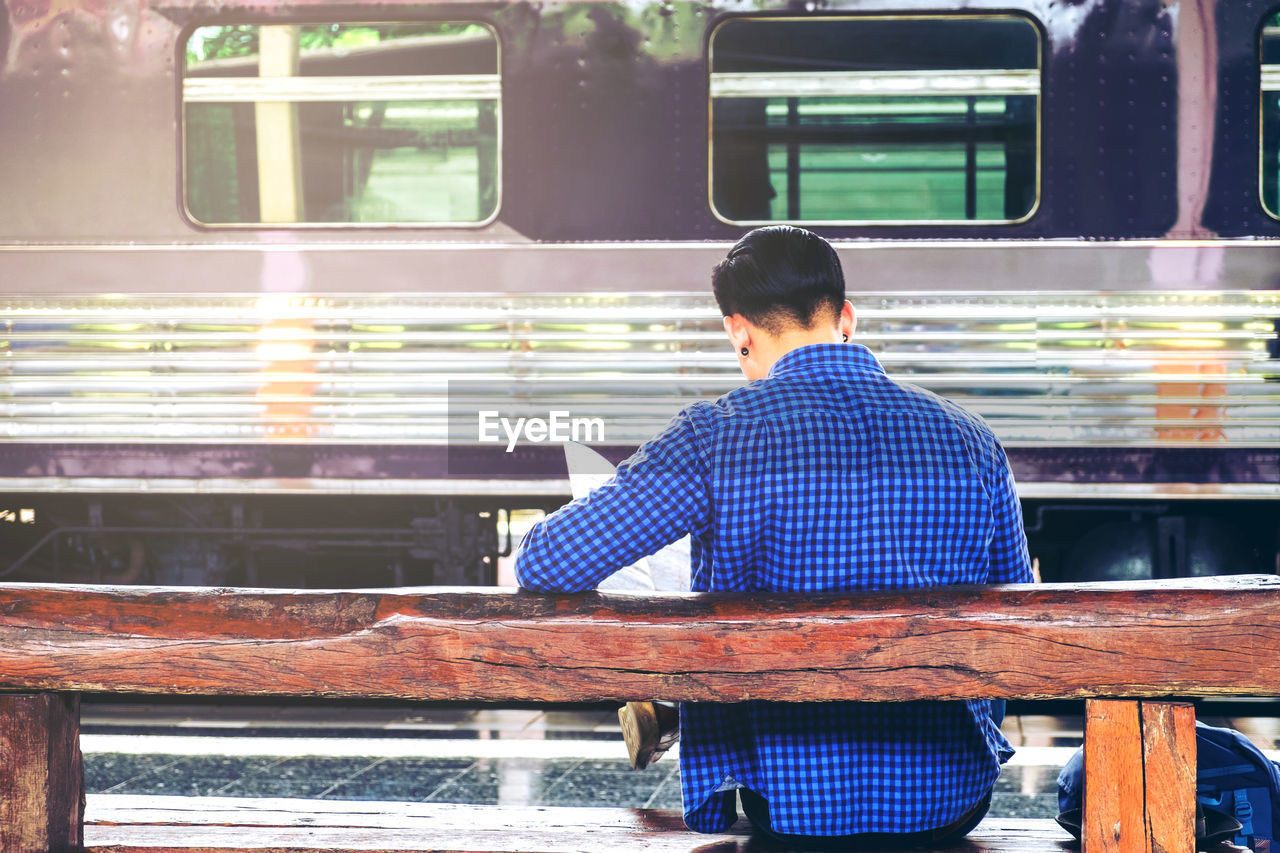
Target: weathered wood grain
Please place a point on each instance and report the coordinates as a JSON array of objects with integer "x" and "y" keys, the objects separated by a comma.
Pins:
[
  {"x": 1113, "y": 791},
  {"x": 120, "y": 824},
  {"x": 1169, "y": 775},
  {"x": 1206, "y": 637},
  {"x": 41, "y": 776}
]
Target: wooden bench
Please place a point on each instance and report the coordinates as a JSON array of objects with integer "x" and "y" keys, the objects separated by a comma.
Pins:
[{"x": 1118, "y": 645}]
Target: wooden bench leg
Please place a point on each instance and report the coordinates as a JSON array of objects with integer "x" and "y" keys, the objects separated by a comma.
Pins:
[
  {"x": 1140, "y": 769},
  {"x": 41, "y": 774},
  {"x": 1169, "y": 769}
]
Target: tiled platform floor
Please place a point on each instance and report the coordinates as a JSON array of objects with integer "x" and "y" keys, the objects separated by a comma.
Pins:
[{"x": 458, "y": 755}]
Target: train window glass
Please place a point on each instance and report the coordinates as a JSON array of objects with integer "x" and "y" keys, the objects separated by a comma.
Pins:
[
  {"x": 875, "y": 120},
  {"x": 1269, "y": 173},
  {"x": 355, "y": 124}
]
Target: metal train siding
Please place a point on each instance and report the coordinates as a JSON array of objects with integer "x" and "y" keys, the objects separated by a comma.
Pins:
[{"x": 246, "y": 250}]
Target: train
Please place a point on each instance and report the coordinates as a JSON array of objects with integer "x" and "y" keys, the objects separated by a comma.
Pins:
[{"x": 254, "y": 256}]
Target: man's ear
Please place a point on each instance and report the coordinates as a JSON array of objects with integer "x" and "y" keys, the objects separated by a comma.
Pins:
[
  {"x": 848, "y": 319},
  {"x": 735, "y": 326}
]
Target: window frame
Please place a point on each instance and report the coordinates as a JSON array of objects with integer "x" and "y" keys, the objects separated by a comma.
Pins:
[
  {"x": 184, "y": 37},
  {"x": 1262, "y": 115},
  {"x": 935, "y": 16}
]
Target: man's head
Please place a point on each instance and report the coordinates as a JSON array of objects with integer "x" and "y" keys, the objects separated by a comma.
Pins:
[{"x": 780, "y": 287}]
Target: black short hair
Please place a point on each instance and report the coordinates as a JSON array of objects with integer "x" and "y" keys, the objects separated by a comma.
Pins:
[{"x": 780, "y": 276}]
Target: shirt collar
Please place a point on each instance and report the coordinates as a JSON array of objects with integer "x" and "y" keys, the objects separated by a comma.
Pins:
[{"x": 823, "y": 358}]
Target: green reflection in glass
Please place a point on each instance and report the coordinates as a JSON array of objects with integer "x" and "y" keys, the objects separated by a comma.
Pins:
[
  {"x": 875, "y": 119},
  {"x": 432, "y": 159},
  {"x": 875, "y": 159},
  {"x": 1271, "y": 152},
  {"x": 241, "y": 40},
  {"x": 393, "y": 162}
]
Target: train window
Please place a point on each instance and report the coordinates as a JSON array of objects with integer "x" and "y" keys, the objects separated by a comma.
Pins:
[
  {"x": 875, "y": 120},
  {"x": 342, "y": 124},
  {"x": 1269, "y": 173}
]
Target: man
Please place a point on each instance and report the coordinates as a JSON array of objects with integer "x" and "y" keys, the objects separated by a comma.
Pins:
[{"x": 821, "y": 474}]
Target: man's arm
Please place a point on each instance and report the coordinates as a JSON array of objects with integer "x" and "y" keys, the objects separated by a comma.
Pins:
[
  {"x": 656, "y": 496},
  {"x": 1010, "y": 561}
]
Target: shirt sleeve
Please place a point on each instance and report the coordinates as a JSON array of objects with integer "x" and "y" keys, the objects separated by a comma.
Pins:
[
  {"x": 1010, "y": 561},
  {"x": 656, "y": 497}
]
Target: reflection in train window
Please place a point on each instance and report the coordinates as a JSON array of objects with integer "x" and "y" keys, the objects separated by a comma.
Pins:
[
  {"x": 1270, "y": 171},
  {"x": 368, "y": 124},
  {"x": 875, "y": 120}
]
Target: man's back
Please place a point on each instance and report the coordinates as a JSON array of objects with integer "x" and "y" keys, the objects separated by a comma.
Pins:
[
  {"x": 824, "y": 476},
  {"x": 829, "y": 476}
]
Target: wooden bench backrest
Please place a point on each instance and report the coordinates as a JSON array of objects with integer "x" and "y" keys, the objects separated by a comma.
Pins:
[
  {"x": 1203, "y": 637},
  {"x": 1216, "y": 636}
]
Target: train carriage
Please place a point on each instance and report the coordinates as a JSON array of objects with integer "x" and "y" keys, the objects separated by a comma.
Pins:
[{"x": 251, "y": 253}]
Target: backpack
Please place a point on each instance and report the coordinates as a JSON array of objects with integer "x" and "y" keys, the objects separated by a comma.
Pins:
[{"x": 1237, "y": 791}]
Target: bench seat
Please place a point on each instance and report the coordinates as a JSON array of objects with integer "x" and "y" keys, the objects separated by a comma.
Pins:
[
  {"x": 155, "y": 824},
  {"x": 1124, "y": 648}
]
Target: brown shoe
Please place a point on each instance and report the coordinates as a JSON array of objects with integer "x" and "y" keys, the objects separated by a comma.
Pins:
[{"x": 649, "y": 730}]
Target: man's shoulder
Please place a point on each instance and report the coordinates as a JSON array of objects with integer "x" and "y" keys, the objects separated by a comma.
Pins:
[
  {"x": 778, "y": 395},
  {"x": 949, "y": 409},
  {"x": 794, "y": 395},
  {"x": 971, "y": 430},
  {"x": 799, "y": 397}
]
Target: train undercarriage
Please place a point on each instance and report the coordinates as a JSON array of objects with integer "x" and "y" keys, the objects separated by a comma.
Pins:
[{"x": 341, "y": 541}]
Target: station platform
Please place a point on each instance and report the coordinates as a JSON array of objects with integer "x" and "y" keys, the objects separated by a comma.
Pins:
[{"x": 483, "y": 755}]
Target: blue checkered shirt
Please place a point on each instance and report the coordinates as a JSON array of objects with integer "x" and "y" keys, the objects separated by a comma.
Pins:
[{"x": 824, "y": 476}]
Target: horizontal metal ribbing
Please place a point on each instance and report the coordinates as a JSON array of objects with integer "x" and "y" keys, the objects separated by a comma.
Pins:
[{"x": 1056, "y": 369}]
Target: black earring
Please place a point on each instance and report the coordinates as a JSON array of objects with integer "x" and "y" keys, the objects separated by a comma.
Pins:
[
  {"x": 846, "y": 338},
  {"x": 745, "y": 352}
]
